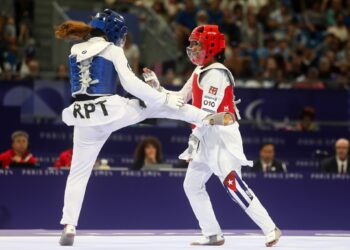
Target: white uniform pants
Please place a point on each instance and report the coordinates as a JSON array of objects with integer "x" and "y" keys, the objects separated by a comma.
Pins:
[
  {"x": 88, "y": 141},
  {"x": 228, "y": 171}
]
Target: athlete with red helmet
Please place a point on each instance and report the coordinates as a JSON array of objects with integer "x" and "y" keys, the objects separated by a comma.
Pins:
[{"x": 220, "y": 150}]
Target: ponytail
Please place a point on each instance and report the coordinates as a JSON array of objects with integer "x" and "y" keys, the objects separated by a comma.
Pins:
[{"x": 73, "y": 30}]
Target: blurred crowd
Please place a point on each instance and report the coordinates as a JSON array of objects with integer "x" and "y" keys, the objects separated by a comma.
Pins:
[
  {"x": 18, "y": 48},
  {"x": 269, "y": 43}
]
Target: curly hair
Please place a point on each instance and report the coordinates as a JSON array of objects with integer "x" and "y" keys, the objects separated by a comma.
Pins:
[
  {"x": 139, "y": 158},
  {"x": 72, "y": 30}
]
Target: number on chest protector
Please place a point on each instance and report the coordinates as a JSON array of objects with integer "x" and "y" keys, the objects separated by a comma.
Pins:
[
  {"x": 209, "y": 103},
  {"x": 86, "y": 109}
]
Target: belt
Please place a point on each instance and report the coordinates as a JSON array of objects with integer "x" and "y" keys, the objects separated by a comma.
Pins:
[{"x": 85, "y": 97}]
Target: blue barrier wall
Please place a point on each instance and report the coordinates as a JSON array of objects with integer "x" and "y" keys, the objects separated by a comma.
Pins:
[{"x": 156, "y": 200}]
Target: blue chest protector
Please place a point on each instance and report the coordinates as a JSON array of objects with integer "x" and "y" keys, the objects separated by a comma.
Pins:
[{"x": 95, "y": 76}]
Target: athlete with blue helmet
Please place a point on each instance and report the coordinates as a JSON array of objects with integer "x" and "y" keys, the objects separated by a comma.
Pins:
[{"x": 97, "y": 65}]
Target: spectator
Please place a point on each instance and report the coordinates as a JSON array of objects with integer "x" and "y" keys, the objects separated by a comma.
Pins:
[
  {"x": 335, "y": 7},
  {"x": 173, "y": 7},
  {"x": 279, "y": 21},
  {"x": 270, "y": 72},
  {"x": 65, "y": 159},
  {"x": 215, "y": 13},
  {"x": 19, "y": 154},
  {"x": 230, "y": 28},
  {"x": 263, "y": 17},
  {"x": 339, "y": 30},
  {"x": 11, "y": 59},
  {"x": 159, "y": 8},
  {"x": 148, "y": 152},
  {"x": 252, "y": 32},
  {"x": 313, "y": 17},
  {"x": 326, "y": 74},
  {"x": 238, "y": 15},
  {"x": 132, "y": 53},
  {"x": 267, "y": 161},
  {"x": 308, "y": 57},
  {"x": 342, "y": 79},
  {"x": 295, "y": 66},
  {"x": 202, "y": 17},
  {"x": 307, "y": 120},
  {"x": 10, "y": 30},
  {"x": 170, "y": 78},
  {"x": 30, "y": 69},
  {"x": 62, "y": 73},
  {"x": 347, "y": 15},
  {"x": 311, "y": 81},
  {"x": 24, "y": 33},
  {"x": 185, "y": 23},
  {"x": 340, "y": 162}
]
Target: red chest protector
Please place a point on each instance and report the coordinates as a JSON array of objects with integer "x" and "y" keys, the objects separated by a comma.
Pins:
[{"x": 226, "y": 104}]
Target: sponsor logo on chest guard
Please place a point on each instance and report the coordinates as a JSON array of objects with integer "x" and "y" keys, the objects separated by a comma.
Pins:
[
  {"x": 213, "y": 90},
  {"x": 86, "y": 109}
]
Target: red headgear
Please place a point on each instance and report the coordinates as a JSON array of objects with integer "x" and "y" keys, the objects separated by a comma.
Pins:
[{"x": 211, "y": 40}]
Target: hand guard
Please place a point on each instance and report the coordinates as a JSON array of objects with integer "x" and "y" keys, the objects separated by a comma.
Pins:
[
  {"x": 174, "y": 101},
  {"x": 151, "y": 79},
  {"x": 192, "y": 149},
  {"x": 193, "y": 144}
]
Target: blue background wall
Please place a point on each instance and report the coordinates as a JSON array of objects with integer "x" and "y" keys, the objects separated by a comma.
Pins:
[{"x": 156, "y": 200}]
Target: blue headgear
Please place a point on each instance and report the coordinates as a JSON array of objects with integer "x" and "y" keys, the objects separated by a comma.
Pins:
[{"x": 112, "y": 24}]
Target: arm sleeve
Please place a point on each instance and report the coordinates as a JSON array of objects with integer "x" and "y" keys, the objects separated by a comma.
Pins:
[
  {"x": 214, "y": 84},
  {"x": 130, "y": 82},
  {"x": 185, "y": 92}
]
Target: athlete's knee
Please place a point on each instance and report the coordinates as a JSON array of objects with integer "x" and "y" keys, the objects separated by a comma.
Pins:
[{"x": 191, "y": 187}]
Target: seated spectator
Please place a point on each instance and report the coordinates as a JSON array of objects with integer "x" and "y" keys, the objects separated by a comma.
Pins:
[
  {"x": 326, "y": 74},
  {"x": 159, "y": 7},
  {"x": 331, "y": 7},
  {"x": 132, "y": 53},
  {"x": 62, "y": 73},
  {"x": 10, "y": 30},
  {"x": 339, "y": 30},
  {"x": 65, "y": 159},
  {"x": 173, "y": 7},
  {"x": 216, "y": 15},
  {"x": 19, "y": 154},
  {"x": 185, "y": 23},
  {"x": 307, "y": 120},
  {"x": 313, "y": 17},
  {"x": 148, "y": 152},
  {"x": 279, "y": 20},
  {"x": 30, "y": 69},
  {"x": 342, "y": 79},
  {"x": 311, "y": 81},
  {"x": 340, "y": 162},
  {"x": 267, "y": 161},
  {"x": 252, "y": 32},
  {"x": 202, "y": 17},
  {"x": 230, "y": 28}
]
